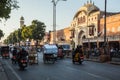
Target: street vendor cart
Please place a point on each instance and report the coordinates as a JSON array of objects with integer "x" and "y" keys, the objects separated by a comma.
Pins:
[
  {"x": 50, "y": 52},
  {"x": 33, "y": 56}
]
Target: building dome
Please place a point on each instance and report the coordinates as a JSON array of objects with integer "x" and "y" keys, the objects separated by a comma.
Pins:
[{"x": 87, "y": 8}]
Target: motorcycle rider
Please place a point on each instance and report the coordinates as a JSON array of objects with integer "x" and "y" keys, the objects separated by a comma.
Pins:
[
  {"x": 14, "y": 54},
  {"x": 78, "y": 50},
  {"x": 22, "y": 54}
]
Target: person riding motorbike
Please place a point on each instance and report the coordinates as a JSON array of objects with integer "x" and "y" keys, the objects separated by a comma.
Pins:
[
  {"x": 14, "y": 55},
  {"x": 22, "y": 54},
  {"x": 77, "y": 54},
  {"x": 79, "y": 50}
]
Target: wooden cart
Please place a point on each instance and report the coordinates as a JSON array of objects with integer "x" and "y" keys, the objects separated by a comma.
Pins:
[{"x": 33, "y": 57}]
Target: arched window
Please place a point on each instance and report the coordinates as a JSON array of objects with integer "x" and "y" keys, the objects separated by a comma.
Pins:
[
  {"x": 91, "y": 30},
  {"x": 83, "y": 18},
  {"x": 80, "y": 19}
]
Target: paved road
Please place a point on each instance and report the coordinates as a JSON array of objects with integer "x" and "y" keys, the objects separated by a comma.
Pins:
[{"x": 65, "y": 70}]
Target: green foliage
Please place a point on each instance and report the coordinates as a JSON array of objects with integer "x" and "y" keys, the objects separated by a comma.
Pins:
[
  {"x": 35, "y": 31},
  {"x": 39, "y": 30},
  {"x": 1, "y": 34},
  {"x": 19, "y": 35},
  {"x": 26, "y": 32},
  {"x": 6, "y": 6}
]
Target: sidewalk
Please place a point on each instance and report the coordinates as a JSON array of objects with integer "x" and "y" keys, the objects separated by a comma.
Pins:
[
  {"x": 3, "y": 75},
  {"x": 6, "y": 73},
  {"x": 115, "y": 61}
]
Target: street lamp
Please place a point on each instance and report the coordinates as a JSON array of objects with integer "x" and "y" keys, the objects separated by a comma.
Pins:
[
  {"x": 105, "y": 28},
  {"x": 54, "y": 18}
]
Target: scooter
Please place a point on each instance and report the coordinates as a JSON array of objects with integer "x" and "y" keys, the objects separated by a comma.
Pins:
[
  {"x": 78, "y": 58},
  {"x": 23, "y": 63}
]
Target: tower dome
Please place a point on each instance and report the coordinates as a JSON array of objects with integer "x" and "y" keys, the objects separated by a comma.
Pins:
[{"x": 22, "y": 18}]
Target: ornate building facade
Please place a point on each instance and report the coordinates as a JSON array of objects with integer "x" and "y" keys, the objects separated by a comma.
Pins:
[{"x": 87, "y": 28}]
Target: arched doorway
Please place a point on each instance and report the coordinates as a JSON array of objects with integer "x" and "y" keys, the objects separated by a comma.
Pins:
[{"x": 81, "y": 35}]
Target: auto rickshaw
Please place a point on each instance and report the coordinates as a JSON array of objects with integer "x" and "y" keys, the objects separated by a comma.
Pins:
[
  {"x": 5, "y": 51},
  {"x": 60, "y": 52},
  {"x": 50, "y": 53}
]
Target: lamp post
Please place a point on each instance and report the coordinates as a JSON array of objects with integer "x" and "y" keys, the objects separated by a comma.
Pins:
[
  {"x": 105, "y": 28},
  {"x": 54, "y": 19}
]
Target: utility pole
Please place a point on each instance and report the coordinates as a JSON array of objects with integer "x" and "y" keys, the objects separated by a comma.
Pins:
[
  {"x": 54, "y": 19},
  {"x": 105, "y": 42}
]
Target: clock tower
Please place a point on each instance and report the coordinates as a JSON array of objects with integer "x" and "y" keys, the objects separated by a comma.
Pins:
[{"x": 21, "y": 21}]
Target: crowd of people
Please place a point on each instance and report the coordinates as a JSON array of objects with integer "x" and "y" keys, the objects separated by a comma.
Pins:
[{"x": 96, "y": 52}]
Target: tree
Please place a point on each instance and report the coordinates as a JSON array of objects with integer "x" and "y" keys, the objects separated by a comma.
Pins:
[
  {"x": 10, "y": 38},
  {"x": 6, "y": 6},
  {"x": 38, "y": 30},
  {"x": 19, "y": 35},
  {"x": 1, "y": 34},
  {"x": 35, "y": 31},
  {"x": 26, "y": 32}
]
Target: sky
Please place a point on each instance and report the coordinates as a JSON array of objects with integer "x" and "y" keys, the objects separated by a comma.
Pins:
[{"x": 42, "y": 10}]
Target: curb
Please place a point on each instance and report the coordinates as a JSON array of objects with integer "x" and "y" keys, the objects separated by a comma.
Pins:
[
  {"x": 92, "y": 60},
  {"x": 115, "y": 63},
  {"x": 8, "y": 71},
  {"x": 111, "y": 62},
  {"x": 97, "y": 60},
  {"x": 3, "y": 75}
]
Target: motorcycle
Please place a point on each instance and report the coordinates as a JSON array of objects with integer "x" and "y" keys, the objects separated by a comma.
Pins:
[
  {"x": 14, "y": 59},
  {"x": 78, "y": 58},
  {"x": 23, "y": 63}
]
